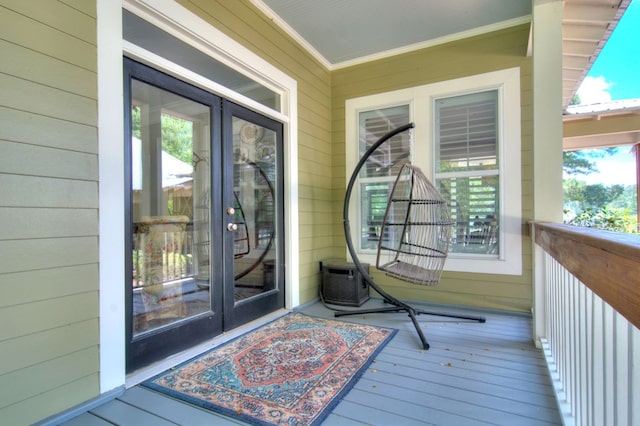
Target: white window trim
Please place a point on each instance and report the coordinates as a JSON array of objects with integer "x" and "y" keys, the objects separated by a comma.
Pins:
[
  {"x": 179, "y": 21},
  {"x": 352, "y": 153},
  {"x": 422, "y": 100}
]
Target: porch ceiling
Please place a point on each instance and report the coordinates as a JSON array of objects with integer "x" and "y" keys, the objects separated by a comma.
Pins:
[{"x": 341, "y": 33}]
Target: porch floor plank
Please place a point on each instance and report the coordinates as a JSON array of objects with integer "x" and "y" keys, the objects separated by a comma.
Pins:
[
  {"x": 473, "y": 374},
  {"x": 173, "y": 410},
  {"x": 87, "y": 419},
  {"x": 123, "y": 414}
]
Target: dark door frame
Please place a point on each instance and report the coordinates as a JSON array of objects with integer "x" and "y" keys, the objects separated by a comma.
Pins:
[{"x": 225, "y": 313}]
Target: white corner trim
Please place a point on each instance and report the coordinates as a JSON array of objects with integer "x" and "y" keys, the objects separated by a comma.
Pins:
[{"x": 111, "y": 198}]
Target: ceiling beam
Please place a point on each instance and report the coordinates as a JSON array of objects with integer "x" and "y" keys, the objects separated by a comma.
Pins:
[{"x": 604, "y": 129}]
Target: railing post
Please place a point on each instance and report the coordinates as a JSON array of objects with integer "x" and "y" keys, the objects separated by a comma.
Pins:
[{"x": 539, "y": 310}]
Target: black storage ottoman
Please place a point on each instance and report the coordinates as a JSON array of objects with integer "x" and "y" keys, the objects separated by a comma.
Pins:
[{"x": 342, "y": 283}]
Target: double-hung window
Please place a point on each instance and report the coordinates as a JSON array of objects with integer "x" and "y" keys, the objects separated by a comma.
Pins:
[
  {"x": 467, "y": 141},
  {"x": 467, "y": 170},
  {"x": 379, "y": 172}
]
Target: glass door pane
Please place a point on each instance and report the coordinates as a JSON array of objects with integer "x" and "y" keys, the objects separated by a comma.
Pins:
[
  {"x": 170, "y": 199},
  {"x": 254, "y": 192},
  {"x": 253, "y": 188}
]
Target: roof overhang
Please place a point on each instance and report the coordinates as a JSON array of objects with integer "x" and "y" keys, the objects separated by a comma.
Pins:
[
  {"x": 602, "y": 127},
  {"x": 586, "y": 27}
]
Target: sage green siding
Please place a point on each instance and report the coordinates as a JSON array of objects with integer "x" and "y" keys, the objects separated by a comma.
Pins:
[
  {"x": 49, "y": 227},
  {"x": 489, "y": 52},
  {"x": 241, "y": 21}
]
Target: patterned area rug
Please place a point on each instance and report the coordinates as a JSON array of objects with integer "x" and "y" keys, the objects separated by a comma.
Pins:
[{"x": 292, "y": 371}]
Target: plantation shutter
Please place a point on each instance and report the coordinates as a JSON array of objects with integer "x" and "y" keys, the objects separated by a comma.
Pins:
[
  {"x": 467, "y": 132},
  {"x": 467, "y": 168}
]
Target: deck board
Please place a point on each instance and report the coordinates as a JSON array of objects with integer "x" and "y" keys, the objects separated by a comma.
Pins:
[
  {"x": 123, "y": 414},
  {"x": 473, "y": 374},
  {"x": 173, "y": 410},
  {"x": 373, "y": 414},
  {"x": 87, "y": 419}
]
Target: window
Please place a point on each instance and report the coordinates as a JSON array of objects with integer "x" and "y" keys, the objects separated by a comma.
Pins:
[
  {"x": 467, "y": 141},
  {"x": 467, "y": 171},
  {"x": 380, "y": 170}
]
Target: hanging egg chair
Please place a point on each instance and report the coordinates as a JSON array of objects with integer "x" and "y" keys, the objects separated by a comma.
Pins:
[
  {"x": 415, "y": 231},
  {"x": 413, "y": 240}
]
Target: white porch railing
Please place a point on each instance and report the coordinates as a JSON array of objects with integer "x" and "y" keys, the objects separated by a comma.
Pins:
[{"x": 592, "y": 348}]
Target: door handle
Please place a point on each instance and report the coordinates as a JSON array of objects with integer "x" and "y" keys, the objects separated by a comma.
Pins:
[{"x": 231, "y": 227}]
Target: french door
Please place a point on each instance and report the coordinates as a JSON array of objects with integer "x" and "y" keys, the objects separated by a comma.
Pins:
[{"x": 204, "y": 188}]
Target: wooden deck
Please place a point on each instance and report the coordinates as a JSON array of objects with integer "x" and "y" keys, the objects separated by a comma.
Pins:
[{"x": 473, "y": 374}]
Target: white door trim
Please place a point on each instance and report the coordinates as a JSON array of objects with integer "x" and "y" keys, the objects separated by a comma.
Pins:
[{"x": 182, "y": 23}]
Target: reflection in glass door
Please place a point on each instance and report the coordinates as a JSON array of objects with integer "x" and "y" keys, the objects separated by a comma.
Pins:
[
  {"x": 170, "y": 217},
  {"x": 255, "y": 193},
  {"x": 174, "y": 281}
]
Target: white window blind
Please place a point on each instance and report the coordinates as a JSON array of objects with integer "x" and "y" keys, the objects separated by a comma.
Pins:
[
  {"x": 467, "y": 135},
  {"x": 382, "y": 167},
  {"x": 467, "y": 169}
]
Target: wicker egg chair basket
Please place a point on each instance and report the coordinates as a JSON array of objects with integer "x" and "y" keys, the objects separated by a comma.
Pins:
[{"x": 415, "y": 231}]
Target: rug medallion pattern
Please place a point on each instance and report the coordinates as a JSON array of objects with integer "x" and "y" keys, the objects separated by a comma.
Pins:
[{"x": 292, "y": 371}]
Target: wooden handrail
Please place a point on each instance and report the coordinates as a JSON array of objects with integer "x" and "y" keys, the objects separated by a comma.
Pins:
[{"x": 606, "y": 262}]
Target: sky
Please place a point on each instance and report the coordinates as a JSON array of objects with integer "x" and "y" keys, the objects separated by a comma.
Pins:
[
  {"x": 616, "y": 169},
  {"x": 615, "y": 75}
]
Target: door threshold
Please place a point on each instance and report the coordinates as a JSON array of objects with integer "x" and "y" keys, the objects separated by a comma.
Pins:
[{"x": 136, "y": 377}]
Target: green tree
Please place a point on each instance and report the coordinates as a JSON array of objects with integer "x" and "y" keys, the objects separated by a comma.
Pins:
[
  {"x": 135, "y": 122},
  {"x": 599, "y": 195},
  {"x": 575, "y": 100},
  {"x": 177, "y": 137},
  {"x": 577, "y": 163},
  {"x": 177, "y": 134},
  {"x": 617, "y": 220},
  {"x": 599, "y": 206},
  {"x": 627, "y": 200}
]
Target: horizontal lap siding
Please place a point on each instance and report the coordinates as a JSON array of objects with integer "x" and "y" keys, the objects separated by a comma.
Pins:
[
  {"x": 241, "y": 21},
  {"x": 489, "y": 52},
  {"x": 49, "y": 229}
]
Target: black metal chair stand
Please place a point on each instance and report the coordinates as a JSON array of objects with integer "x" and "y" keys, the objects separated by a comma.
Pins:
[{"x": 413, "y": 261}]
